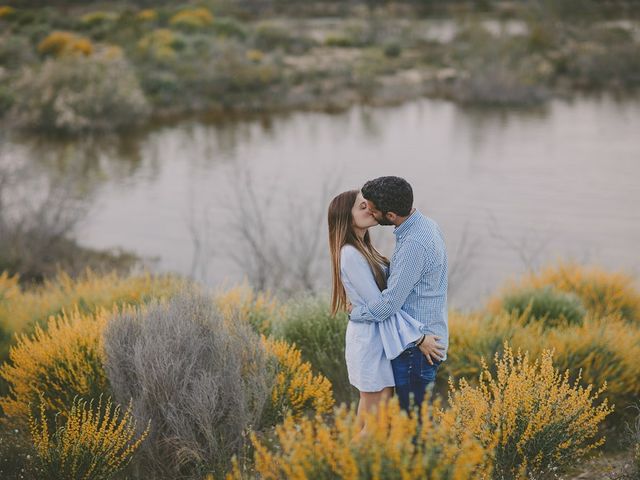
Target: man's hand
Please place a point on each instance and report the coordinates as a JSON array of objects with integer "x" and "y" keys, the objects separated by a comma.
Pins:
[{"x": 431, "y": 348}]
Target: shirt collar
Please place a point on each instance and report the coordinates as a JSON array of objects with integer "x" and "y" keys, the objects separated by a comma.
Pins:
[{"x": 405, "y": 226}]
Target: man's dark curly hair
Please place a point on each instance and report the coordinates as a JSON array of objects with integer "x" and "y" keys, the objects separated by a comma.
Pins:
[{"x": 389, "y": 194}]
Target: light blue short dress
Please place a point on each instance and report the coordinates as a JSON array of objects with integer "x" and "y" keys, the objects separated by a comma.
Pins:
[{"x": 371, "y": 346}]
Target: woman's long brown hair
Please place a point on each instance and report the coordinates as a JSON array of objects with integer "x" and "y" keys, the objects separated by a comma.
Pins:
[{"x": 341, "y": 233}]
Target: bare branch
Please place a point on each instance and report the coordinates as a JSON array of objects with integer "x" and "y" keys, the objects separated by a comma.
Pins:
[
  {"x": 528, "y": 249},
  {"x": 460, "y": 264}
]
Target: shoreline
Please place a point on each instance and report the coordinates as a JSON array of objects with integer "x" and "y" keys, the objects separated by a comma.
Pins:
[{"x": 112, "y": 72}]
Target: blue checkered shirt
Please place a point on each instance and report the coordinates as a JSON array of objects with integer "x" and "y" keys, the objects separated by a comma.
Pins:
[{"x": 417, "y": 281}]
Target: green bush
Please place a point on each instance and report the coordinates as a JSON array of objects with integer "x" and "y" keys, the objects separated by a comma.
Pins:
[
  {"x": 75, "y": 94},
  {"x": 362, "y": 33},
  {"x": 321, "y": 338},
  {"x": 100, "y": 25},
  {"x": 392, "y": 50},
  {"x": 6, "y": 100},
  {"x": 271, "y": 36},
  {"x": 98, "y": 18},
  {"x": 15, "y": 51},
  {"x": 161, "y": 87},
  {"x": 229, "y": 27},
  {"x": 546, "y": 304},
  {"x": 596, "y": 66},
  {"x": 341, "y": 41},
  {"x": 198, "y": 71}
]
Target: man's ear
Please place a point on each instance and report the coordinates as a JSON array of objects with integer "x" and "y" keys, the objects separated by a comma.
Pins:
[{"x": 392, "y": 217}]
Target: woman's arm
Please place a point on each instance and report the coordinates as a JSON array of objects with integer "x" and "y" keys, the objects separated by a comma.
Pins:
[{"x": 398, "y": 332}]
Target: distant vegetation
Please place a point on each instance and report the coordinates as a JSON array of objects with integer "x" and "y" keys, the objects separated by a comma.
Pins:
[{"x": 70, "y": 67}]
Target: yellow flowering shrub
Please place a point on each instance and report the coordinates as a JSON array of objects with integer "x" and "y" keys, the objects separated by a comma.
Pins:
[
  {"x": 6, "y": 11},
  {"x": 398, "y": 447},
  {"x": 94, "y": 18},
  {"x": 254, "y": 55},
  {"x": 296, "y": 389},
  {"x": 147, "y": 15},
  {"x": 260, "y": 309},
  {"x": 528, "y": 415},
  {"x": 60, "y": 43},
  {"x": 603, "y": 349},
  {"x": 192, "y": 18},
  {"x": 158, "y": 44},
  {"x": 9, "y": 287},
  {"x": 111, "y": 52},
  {"x": 602, "y": 293},
  {"x": 472, "y": 337},
  {"x": 9, "y": 291},
  {"x": 91, "y": 444},
  {"x": 62, "y": 361},
  {"x": 21, "y": 309}
]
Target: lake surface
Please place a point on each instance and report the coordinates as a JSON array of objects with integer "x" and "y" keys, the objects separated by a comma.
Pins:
[{"x": 512, "y": 190}]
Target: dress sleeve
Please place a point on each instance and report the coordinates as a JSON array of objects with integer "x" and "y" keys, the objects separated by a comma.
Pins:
[
  {"x": 355, "y": 267},
  {"x": 399, "y": 331}
]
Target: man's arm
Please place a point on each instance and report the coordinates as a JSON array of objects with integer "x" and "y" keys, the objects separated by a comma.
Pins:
[{"x": 410, "y": 263}]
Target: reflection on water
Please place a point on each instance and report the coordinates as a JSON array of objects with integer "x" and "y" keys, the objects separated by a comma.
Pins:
[{"x": 511, "y": 190}]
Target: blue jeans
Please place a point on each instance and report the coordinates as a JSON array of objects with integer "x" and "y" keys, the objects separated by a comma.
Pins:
[{"x": 414, "y": 377}]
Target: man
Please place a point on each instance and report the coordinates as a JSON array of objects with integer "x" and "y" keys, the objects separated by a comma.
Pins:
[{"x": 417, "y": 284}]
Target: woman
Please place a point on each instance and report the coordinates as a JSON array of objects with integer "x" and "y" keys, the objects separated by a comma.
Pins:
[{"x": 359, "y": 275}]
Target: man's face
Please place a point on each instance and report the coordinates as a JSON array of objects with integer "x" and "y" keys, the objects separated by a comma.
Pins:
[{"x": 377, "y": 214}]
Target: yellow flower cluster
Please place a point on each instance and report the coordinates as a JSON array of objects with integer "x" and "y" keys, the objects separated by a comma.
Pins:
[
  {"x": 192, "y": 18},
  {"x": 603, "y": 349},
  {"x": 254, "y": 55},
  {"x": 61, "y": 43},
  {"x": 474, "y": 336},
  {"x": 158, "y": 44},
  {"x": 94, "y": 18},
  {"x": 61, "y": 361},
  {"x": 602, "y": 293},
  {"x": 259, "y": 309},
  {"x": 91, "y": 444},
  {"x": 6, "y": 11},
  {"x": 528, "y": 414},
  {"x": 147, "y": 15},
  {"x": 296, "y": 389},
  {"x": 9, "y": 287},
  {"x": 398, "y": 446},
  {"x": 19, "y": 310}
]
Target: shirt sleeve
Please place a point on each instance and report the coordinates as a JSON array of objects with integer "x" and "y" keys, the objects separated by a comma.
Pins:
[{"x": 409, "y": 264}]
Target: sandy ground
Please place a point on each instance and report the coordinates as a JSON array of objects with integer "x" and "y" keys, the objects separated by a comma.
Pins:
[{"x": 617, "y": 466}]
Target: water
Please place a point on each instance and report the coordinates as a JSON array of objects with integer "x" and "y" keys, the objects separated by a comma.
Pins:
[{"x": 511, "y": 190}]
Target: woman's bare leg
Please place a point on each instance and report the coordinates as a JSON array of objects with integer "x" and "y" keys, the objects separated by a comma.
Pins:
[{"x": 369, "y": 401}]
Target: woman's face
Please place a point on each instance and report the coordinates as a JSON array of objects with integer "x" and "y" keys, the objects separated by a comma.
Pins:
[{"x": 361, "y": 215}]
